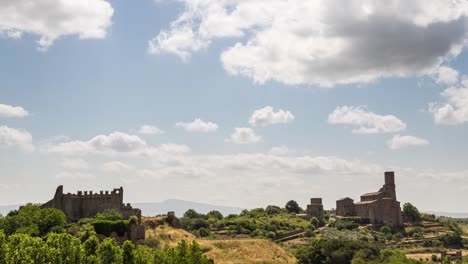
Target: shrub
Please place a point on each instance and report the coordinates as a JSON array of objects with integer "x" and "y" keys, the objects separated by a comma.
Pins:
[
  {"x": 109, "y": 214},
  {"x": 343, "y": 224},
  {"x": 106, "y": 227}
]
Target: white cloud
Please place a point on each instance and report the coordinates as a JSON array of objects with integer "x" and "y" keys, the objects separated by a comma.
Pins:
[
  {"x": 150, "y": 130},
  {"x": 455, "y": 110},
  {"x": 320, "y": 42},
  {"x": 446, "y": 75},
  {"x": 267, "y": 116},
  {"x": 244, "y": 135},
  {"x": 74, "y": 164},
  {"x": 116, "y": 143},
  {"x": 53, "y": 19},
  {"x": 12, "y": 111},
  {"x": 16, "y": 137},
  {"x": 280, "y": 150},
  {"x": 399, "y": 142},
  {"x": 198, "y": 125},
  {"x": 115, "y": 167},
  {"x": 365, "y": 121}
]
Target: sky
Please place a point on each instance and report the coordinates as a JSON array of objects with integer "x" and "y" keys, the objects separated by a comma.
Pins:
[{"x": 232, "y": 102}]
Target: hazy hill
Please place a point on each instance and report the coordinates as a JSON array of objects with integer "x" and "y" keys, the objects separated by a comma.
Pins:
[{"x": 180, "y": 206}]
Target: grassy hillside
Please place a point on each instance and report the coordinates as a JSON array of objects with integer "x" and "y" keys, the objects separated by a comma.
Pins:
[{"x": 228, "y": 251}]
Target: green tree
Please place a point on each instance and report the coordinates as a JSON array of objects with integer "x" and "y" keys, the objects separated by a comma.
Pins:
[
  {"x": 108, "y": 252},
  {"x": 190, "y": 213},
  {"x": 215, "y": 214},
  {"x": 51, "y": 220},
  {"x": 128, "y": 256},
  {"x": 143, "y": 255},
  {"x": 3, "y": 247},
  {"x": 66, "y": 248},
  {"x": 411, "y": 212},
  {"x": 273, "y": 210},
  {"x": 311, "y": 254},
  {"x": 90, "y": 245},
  {"x": 293, "y": 207},
  {"x": 24, "y": 249}
]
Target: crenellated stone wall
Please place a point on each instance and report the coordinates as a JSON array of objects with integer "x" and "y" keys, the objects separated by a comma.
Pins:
[{"x": 87, "y": 204}]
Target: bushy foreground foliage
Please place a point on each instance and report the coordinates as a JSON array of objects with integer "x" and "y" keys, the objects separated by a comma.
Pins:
[
  {"x": 35, "y": 235},
  {"x": 348, "y": 252},
  {"x": 67, "y": 249}
]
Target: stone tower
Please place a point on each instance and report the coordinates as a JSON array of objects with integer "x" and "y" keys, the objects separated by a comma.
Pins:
[
  {"x": 315, "y": 209},
  {"x": 389, "y": 186}
]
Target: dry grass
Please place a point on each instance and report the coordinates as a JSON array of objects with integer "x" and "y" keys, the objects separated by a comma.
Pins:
[
  {"x": 246, "y": 251},
  {"x": 168, "y": 236},
  {"x": 226, "y": 251}
]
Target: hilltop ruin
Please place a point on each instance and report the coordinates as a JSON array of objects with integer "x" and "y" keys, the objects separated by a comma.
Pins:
[{"x": 88, "y": 204}]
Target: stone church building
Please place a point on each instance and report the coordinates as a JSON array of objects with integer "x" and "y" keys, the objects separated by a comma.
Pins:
[{"x": 382, "y": 207}]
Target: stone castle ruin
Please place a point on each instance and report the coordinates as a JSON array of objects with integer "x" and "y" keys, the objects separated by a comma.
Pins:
[
  {"x": 382, "y": 207},
  {"x": 315, "y": 209},
  {"x": 87, "y": 204}
]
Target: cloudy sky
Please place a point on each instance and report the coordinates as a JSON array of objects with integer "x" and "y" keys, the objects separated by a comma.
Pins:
[{"x": 233, "y": 102}]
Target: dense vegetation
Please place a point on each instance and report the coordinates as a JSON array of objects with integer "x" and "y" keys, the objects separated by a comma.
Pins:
[
  {"x": 41, "y": 235},
  {"x": 270, "y": 222}
]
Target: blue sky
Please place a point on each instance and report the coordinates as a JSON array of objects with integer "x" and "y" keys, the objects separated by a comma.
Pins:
[{"x": 279, "y": 95}]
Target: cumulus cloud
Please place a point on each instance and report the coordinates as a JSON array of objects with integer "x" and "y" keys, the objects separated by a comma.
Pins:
[
  {"x": 114, "y": 143},
  {"x": 53, "y": 19},
  {"x": 320, "y": 42},
  {"x": 12, "y": 111},
  {"x": 198, "y": 125},
  {"x": 455, "y": 110},
  {"x": 267, "y": 116},
  {"x": 399, "y": 142},
  {"x": 150, "y": 130},
  {"x": 365, "y": 122},
  {"x": 244, "y": 135},
  {"x": 446, "y": 75},
  {"x": 16, "y": 137}
]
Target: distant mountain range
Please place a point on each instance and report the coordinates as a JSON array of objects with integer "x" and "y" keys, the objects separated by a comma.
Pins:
[
  {"x": 152, "y": 209},
  {"x": 453, "y": 215},
  {"x": 181, "y": 206}
]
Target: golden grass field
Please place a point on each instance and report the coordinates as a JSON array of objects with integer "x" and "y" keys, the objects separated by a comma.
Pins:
[{"x": 224, "y": 251}]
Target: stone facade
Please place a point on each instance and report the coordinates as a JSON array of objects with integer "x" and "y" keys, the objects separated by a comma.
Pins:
[
  {"x": 87, "y": 204},
  {"x": 345, "y": 207},
  {"x": 382, "y": 207},
  {"x": 315, "y": 209}
]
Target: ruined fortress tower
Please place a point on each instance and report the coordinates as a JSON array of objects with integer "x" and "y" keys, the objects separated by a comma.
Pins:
[
  {"x": 87, "y": 204},
  {"x": 382, "y": 207},
  {"x": 315, "y": 209}
]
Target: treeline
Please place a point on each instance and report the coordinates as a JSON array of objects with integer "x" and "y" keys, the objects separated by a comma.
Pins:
[
  {"x": 35, "y": 235},
  {"x": 269, "y": 222},
  {"x": 67, "y": 249}
]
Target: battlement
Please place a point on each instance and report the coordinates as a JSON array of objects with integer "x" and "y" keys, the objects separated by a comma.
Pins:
[{"x": 87, "y": 203}]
